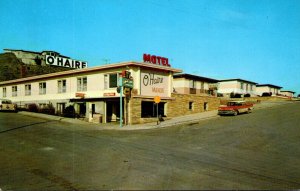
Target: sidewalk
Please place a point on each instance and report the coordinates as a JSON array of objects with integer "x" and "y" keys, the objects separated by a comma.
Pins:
[
  {"x": 187, "y": 119},
  {"x": 194, "y": 118}
]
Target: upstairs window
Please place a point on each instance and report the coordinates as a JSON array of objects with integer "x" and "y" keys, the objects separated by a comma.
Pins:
[
  {"x": 42, "y": 88},
  {"x": 62, "y": 86},
  {"x": 82, "y": 84},
  {"x": 14, "y": 91},
  {"x": 192, "y": 84},
  {"x": 111, "y": 81},
  {"x": 4, "y": 92},
  {"x": 27, "y": 89}
]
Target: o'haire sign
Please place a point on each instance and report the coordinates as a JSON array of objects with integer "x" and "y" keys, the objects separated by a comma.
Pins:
[
  {"x": 153, "y": 84},
  {"x": 65, "y": 62}
]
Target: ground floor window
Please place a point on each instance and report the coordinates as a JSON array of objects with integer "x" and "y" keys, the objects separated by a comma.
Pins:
[
  {"x": 149, "y": 109},
  {"x": 205, "y": 106}
]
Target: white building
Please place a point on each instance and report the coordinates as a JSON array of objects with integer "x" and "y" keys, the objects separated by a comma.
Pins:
[
  {"x": 93, "y": 91},
  {"x": 287, "y": 93},
  {"x": 237, "y": 87},
  {"x": 192, "y": 84},
  {"x": 268, "y": 88}
]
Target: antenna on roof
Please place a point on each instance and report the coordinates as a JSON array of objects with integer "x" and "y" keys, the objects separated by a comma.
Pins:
[{"x": 106, "y": 60}]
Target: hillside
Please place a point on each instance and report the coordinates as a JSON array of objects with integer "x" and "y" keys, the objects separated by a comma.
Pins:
[{"x": 12, "y": 68}]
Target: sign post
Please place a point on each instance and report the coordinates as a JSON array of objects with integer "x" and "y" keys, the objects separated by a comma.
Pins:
[
  {"x": 156, "y": 101},
  {"x": 121, "y": 100}
]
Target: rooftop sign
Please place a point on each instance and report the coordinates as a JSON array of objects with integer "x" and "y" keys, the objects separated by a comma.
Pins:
[
  {"x": 65, "y": 62},
  {"x": 156, "y": 60}
]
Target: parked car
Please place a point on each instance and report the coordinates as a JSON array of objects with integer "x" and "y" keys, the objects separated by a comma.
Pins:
[
  {"x": 7, "y": 105},
  {"x": 235, "y": 108}
]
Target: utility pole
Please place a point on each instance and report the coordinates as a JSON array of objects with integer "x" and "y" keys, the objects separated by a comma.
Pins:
[{"x": 121, "y": 100}]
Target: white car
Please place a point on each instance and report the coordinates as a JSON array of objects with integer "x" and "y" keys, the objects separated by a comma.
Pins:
[{"x": 7, "y": 105}]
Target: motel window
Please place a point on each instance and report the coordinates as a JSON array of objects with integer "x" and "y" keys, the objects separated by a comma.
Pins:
[
  {"x": 42, "y": 105},
  {"x": 113, "y": 80},
  {"x": 149, "y": 109},
  {"x": 14, "y": 91},
  {"x": 42, "y": 88},
  {"x": 27, "y": 89},
  {"x": 251, "y": 87},
  {"x": 202, "y": 85},
  {"x": 191, "y": 106},
  {"x": 62, "y": 86},
  {"x": 110, "y": 81},
  {"x": 192, "y": 84},
  {"x": 82, "y": 84},
  {"x": 4, "y": 92},
  {"x": 205, "y": 106},
  {"x": 242, "y": 85}
]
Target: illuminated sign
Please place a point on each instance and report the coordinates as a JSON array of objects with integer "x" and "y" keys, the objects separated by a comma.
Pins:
[
  {"x": 65, "y": 62},
  {"x": 158, "y": 60}
]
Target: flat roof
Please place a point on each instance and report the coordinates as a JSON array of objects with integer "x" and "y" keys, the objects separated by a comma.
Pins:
[
  {"x": 190, "y": 76},
  {"x": 93, "y": 69},
  {"x": 237, "y": 79},
  {"x": 287, "y": 91},
  {"x": 268, "y": 85}
]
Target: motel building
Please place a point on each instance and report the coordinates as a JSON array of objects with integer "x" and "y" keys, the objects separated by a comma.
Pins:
[
  {"x": 94, "y": 92},
  {"x": 287, "y": 93},
  {"x": 267, "y": 88},
  {"x": 193, "y": 84},
  {"x": 238, "y": 87}
]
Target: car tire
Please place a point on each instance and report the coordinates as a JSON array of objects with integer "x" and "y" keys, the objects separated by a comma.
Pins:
[{"x": 235, "y": 113}]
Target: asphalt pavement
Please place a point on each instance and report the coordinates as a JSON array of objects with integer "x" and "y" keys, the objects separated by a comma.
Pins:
[{"x": 257, "y": 151}]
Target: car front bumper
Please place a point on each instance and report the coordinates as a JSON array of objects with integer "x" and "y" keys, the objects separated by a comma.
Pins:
[{"x": 225, "y": 112}]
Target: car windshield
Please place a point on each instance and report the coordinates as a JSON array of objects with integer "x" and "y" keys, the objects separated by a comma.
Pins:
[
  {"x": 231, "y": 103},
  {"x": 234, "y": 103}
]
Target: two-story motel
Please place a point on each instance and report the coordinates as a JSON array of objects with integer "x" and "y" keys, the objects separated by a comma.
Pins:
[
  {"x": 93, "y": 92},
  {"x": 192, "y": 84},
  {"x": 267, "y": 88},
  {"x": 237, "y": 86}
]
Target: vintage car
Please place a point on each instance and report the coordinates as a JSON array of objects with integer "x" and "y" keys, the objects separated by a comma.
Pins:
[
  {"x": 235, "y": 108},
  {"x": 7, "y": 105}
]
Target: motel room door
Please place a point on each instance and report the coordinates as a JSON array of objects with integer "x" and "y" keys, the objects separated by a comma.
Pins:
[{"x": 113, "y": 111}]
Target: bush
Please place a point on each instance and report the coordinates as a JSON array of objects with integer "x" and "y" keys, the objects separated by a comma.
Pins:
[
  {"x": 247, "y": 95},
  {"x": 32, "y": 107},
  {"x": 266, "y": 94},
  {"x": 49, "y": 109},
  {"x": 69, "y": 111}
]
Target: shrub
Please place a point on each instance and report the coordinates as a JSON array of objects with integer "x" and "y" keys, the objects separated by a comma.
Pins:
[
  {"x": 49, "y": 109},
  {"x": 69, "y": 111},
  {"x": 32, "y": 107}
]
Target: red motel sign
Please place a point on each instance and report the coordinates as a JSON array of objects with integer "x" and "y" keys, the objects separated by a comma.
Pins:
[{"x": 156, "y": 60}]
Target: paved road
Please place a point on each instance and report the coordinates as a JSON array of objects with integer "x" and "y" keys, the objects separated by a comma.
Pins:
[{"x": 260, "y": 150}]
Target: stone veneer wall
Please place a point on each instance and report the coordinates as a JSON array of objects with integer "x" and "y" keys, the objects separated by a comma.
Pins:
[
  {"x": 136, "y": 110},
  {"x": 179, "y": 106}
]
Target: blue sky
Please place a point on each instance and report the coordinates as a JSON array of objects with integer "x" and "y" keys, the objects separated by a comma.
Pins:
[{"x": 256, "y": 40}]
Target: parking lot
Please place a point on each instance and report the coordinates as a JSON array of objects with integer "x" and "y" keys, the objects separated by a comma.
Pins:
[{"x": 260, "y": 150}]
